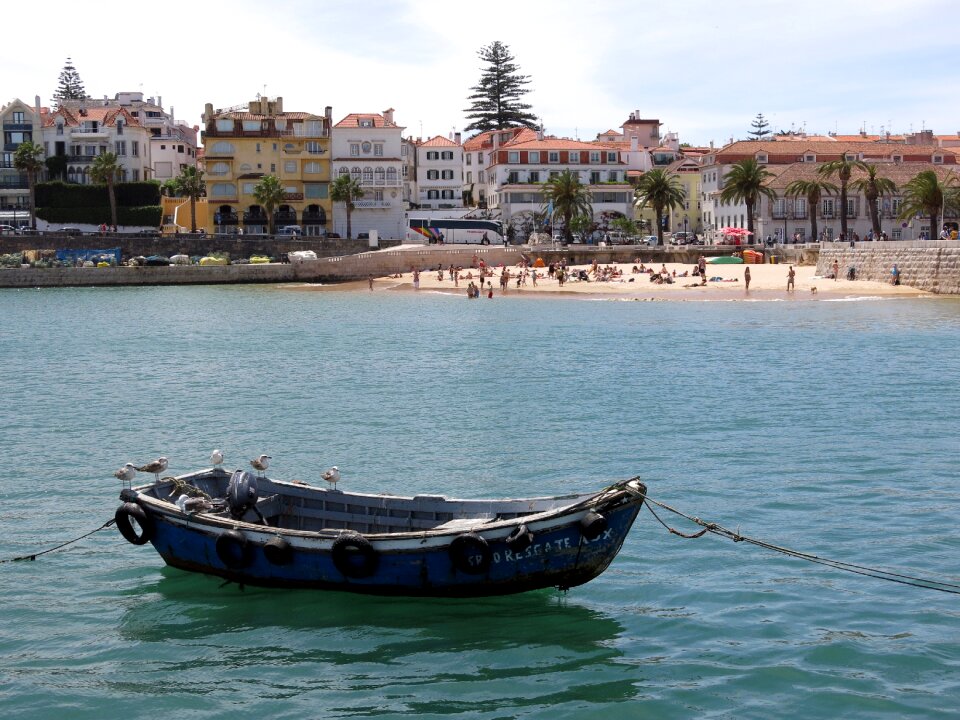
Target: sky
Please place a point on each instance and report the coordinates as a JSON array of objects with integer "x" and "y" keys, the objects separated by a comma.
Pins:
[{"x": 704, "y": 68}]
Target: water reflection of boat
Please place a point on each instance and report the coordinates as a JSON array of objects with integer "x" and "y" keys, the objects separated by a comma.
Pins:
[{"x": 266, "y": 532}]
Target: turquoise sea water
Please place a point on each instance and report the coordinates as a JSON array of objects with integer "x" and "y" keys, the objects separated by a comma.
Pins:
[{"x": 830, "y": 427}]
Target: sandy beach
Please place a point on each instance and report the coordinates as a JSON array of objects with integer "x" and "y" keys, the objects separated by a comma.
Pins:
[{"x": 725, "y": 282}]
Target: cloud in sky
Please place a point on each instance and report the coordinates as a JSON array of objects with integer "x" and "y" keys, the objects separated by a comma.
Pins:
[{"x": 704, "y": 68}]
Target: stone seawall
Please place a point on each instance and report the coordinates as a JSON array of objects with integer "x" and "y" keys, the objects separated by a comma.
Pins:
[{"x": 925, "y": 265}]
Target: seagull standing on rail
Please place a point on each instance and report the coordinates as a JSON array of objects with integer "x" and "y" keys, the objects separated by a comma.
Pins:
[
  {"x": 126, "y": 474},
  {"x": 156, "y": 467},
  {"x": 260, "y": 464},
  {"x": 332, "y": 476}
]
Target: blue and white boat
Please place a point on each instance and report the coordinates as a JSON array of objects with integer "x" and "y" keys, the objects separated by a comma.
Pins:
[{"x": 266, "y": 532}]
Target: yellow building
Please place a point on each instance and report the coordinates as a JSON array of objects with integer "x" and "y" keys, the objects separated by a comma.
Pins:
[
  {"x": 687, "y": 218},
  {"x": 244, "y": 144}
]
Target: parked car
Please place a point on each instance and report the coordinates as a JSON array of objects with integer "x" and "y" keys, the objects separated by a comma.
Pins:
[
  {"x": 8, "y": 230},
  {"x": 682, "y": 238},
  {"x": 648, "y": 240},
  {"x": 291, "y": 230},
  {"x": 69, "y": 230}
]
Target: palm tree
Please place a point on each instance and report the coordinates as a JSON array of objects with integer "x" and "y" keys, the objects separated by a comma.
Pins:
[
  {"x": 842, "y": 168},
  {"x": 661, "y": 190},
  {"x": 29, "y": 158},
  {"x": 189, "y": 183},
  {"x": 812, "y": 190},
  {"x": 745, "y": 183},
  {"x": 873, "y": 186},
  {"x": 105, "y": 169},
  {"x": 269, "y": 193},
  {"x": 568, "y": 198},
  {"x": 926, "y": 194},
  {"x": 346, "y": 189}
]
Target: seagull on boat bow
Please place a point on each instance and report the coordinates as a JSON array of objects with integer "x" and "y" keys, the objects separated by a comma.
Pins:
[
  {"x": 332, "y": 476},
  {"x": 127, "y": 473},
  {"x": 216, "y": 457},
  {"x": 260, "y": 464},
  {"x": 156, "y": 467}
]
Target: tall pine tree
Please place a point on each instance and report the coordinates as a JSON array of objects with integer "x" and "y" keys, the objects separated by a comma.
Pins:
[
  {"x": 496, "y": 98},
  {"x": 71, "y": 86},
  {"x": 761, "y": 128}
]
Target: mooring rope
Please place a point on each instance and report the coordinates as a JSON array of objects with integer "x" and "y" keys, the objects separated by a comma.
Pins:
[
  {"x": 34, "y": 556},
  {"x": 878, "y": 573}
]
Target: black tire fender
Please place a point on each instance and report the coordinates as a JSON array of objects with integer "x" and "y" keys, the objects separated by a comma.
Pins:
[
  {"x": 132, "y": 510},
  {"x": 592, "y": 525},
  {"x": 520, "y": 539},
  {"x": 232, "y": 549},
  {"x": 278, "y": 551},
  {"x": 354, "y": 556},
  {"x": 470, "y": 554}
]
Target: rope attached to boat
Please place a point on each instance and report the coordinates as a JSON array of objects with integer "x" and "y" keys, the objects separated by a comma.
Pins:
[
  {"x": 736, "y": 536},
  {"x": 34, "y": 556}
]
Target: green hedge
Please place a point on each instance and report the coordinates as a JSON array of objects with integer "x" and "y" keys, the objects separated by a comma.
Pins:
[
  {"x": 147, "y": 216},
  {"x": 70, "y": 195}
]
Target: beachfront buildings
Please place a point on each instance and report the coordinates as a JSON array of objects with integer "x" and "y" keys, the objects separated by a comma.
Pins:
[
  {"x": 245, "y": 143},
  {"x": 800, "y": 159},
  {"x": 21, "y": 123},
  {"x": 367, "y": 147},
  {"x": 172, "y": 143},
  {"x": 439, "y": 174},
  {"x": 78, "y": 131}
]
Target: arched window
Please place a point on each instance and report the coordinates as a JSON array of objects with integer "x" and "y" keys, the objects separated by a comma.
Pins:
[
  {"x": 368, "y": 175},
  {"x": 380, "y": 176},
  {"x": 222, "y": 148},
  {"x": 219, "y": 168},
  {"x": 355, "y": 173},
  {"x": 391, "y": 176},
  {"x": 343, "y": 171}
]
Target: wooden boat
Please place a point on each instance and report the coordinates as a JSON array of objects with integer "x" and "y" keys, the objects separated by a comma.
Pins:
[{"x": 267, "y": 532}]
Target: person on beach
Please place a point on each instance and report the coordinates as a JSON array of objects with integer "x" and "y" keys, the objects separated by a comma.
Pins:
[
  {"x": 746, "y": 278},
  {"x": 370, "y": 281},
  {"x": 791, "y": 275},
  {"x": 895, "y": 276},
  {"x": 416, "y": 279},
  {"x": 836, "y": 270},
  {"x": 702, "y": 267}
]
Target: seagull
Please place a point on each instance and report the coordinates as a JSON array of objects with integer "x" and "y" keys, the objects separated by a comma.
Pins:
[
  {"x": 332, "y": 476},
  {"x": 261, "y": 463},
  {"x": 216, "y": 457},
  {"x": 126, "y": 473},
  {"x": 156, "y": 467}
]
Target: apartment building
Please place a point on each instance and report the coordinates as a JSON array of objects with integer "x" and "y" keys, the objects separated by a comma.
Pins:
[
  {"x": 245, "y": 143},
  {"x": 21, "y": 123},
  {"x": 440, "y": 173}
]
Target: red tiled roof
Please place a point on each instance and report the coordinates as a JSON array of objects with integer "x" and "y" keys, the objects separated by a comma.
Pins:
[
  {"x": 353, "y": 121},
  {"x": 103, "y": 115},
  {"x": 438, "y": 141},
  {"x": 787, "y": 152}
]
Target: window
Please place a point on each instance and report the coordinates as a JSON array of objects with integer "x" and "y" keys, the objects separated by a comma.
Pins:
[
  {"x": 897, "y": 234},
  {"x": 273, "y": 168},
  {"x": 225, "y": 125},
  {"x": 219, "y": 168},
  {"x": 354, "y": 149},
  {"x": 800, "y": 208},
  {"x": 378, "y": 195},
  {"x": 810, "y": 158},
  {"x": 611, "y": 157},
  {"x": 895, "y": 204},
  {"x": 121, "y": 147},
  {"x": 761, "y": 158},
  {"x": 469, "y": 177},
  {"x": 446, "y": 174},
  {"x": 533, "y": 157},
  {"x": 368, "y": 176},
  {"x": 513, "y": 177},
  {"x": 446, "y": 194},
  {"x": 59, "y": 128},
  {"x": 574, "y": 158},
  {"x": 403, "y": 150},
  {"x": 290, "y": 166},
  {"x": 446, "y": 155},
  {"x": 223, "y": 190},
  {"x": 594, "y": 177},
  {"x": 313, "y": 147},
  {"x": 18, "y": 117},
  {"x": 379, "y": 176},
  {"x": 480, "y": 177},
  {"x": 313, "y": 127},
  {"x": 613, "y": 176},
  {"x": 553, "y": 156},
  {"x": 365, "y": 123},
  {"x": 311, "y": 167},
  {"x": 433, "y": 174},
  {"x": 469, "y": 159},
  {"x": 378, "y": 150},
  {"x": 513, "y": 157},
  {"x": 479, "y": 158},
  {"x": 251, "y": 125},
  {"x": 433, "y": 194},
  {"x": 248, "y": 188},
  {"x": 851, "y": 207},
  {"x": 938, "y": 159},
  {"x": 827, "y": 207},
  {"x": 343, "y": 172},
  {"x": 220, "y": 148},
  {"x": 533, "y": 176},
  {"x": 594, "y": 156},
  {"x": 119, "y": 127},
  {"x": 392, "y": 175},
  {"x": 315, "y": 190},
  {"x": 135, "y": 148},
  {"x": 135, "y": 175}
]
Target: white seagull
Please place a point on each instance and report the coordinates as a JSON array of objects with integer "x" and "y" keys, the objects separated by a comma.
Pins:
[
  {"x": 261, "y": 463},
  {"x": 332, "y": 476},
  {"x": 156, "y": 467},
  {"x": 127, "y": 473},
  {"x": 216, "y": 457}
]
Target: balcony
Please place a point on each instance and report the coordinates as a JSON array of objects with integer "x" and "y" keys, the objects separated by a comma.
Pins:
[
  {"x": 371, "y": 204},
  {"x": 250, "y": 218},
  {"x": 89, "y": 133},
  {"x": 17, "y": 127},
  {"x": 282, "y": 217},
  {"x": 314, "y": 218},
  {"x": 225, "y": 219},
  {"x": 81, "y": 159},
  {"x": 14, "y": 184}
]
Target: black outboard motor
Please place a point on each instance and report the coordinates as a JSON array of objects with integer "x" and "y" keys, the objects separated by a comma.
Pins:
[{"x": 241, "y": 493}]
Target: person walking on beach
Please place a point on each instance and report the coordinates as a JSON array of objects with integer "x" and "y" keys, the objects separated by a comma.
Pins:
[
  {"x": 370, "y": 281},
  {"x": 895, "y": 276},
  {"x": 836, "y": 270},
  {"x": 791, "y": 275},
  {"x": 416, "y": 279},
  {"x": 746, "y": 278},
  {"x": 702, "y": 267}
]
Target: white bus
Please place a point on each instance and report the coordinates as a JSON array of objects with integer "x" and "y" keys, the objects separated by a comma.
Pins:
[{"x": 456, "y": 230}]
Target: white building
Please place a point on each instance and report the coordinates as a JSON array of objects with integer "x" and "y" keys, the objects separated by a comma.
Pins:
[
  {"x": 21, "y": 123},
  {"x": 368, "y": 147},
  {"x": 440, "y": 173}
]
